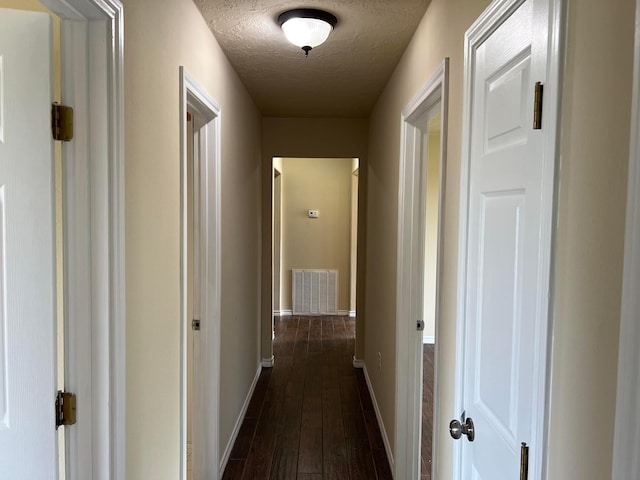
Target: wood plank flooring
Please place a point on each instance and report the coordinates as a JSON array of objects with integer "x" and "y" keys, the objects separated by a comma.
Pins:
[
  {"x": 427, "y": 411},
  {"x": 311, "y": 416}
]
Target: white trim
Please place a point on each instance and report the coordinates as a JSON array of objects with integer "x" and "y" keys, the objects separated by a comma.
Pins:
[
  {"x": 428, "y": 340},
  {"x": 195, "y": 99},
  {"x": 358, "y": 363},
  {"x": 490, "y": 19},
  {"x": 238, "y": 424},
  {"x": 340, "y": 313},
  {"x": 626, "y": 444},
  {"x": 410, "y": 293},
  {"x": 383, "y": 432},
  {"x": 551, "y": 118},
  {"x": 92, "y": 35},
  {"x": 268, "y": 362}
]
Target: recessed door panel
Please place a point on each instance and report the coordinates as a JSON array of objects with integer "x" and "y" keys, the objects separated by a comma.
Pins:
[
  {"x": 506, "y": 106},
  {"x": 498, "y": 302}
]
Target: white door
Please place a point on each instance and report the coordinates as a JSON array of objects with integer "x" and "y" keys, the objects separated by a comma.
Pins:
[
  {"x": 507, "y": 248},
  {"x": 28, "y": 449}
]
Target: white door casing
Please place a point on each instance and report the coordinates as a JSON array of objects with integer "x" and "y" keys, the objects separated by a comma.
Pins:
[
  {"x": 626, "y": 462},
  {"x": 432, "y": 98},
  {"x": 507, "y": 211},
  {"x": 206, "y": 463},
  {"x": 92, "y": 57},
  {"x": 27, "y": 249}
]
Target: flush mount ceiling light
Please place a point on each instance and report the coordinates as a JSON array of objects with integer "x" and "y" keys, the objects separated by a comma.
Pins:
[{"x": 307, "y": 27}]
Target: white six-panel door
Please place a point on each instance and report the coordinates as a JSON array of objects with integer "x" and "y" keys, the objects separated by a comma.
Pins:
[
  {"x": 508, "y": 246},
  {"x": 27, "y": 322}
]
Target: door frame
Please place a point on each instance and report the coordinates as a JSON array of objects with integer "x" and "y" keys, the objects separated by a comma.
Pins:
[
  {"x": 627, "y": 426},
  {"x": 353, "y": 240},
  {"x": 410, "y": 294},
  {"x": 277, "y": 243},
  {"x": 195, "y": 99},
  {"x": 92, "y": 35},
  {"x": 497, "y": 12}
]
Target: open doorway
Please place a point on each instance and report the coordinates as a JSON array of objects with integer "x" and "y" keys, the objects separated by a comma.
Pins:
[
  {"x": 422, "y": 169},
  {"x": 315, "y": 203},
  {"x": 200, "y": 281},
  {"x": 353, "y": 274},
  {"x": 277, "y": 234},
  {"x": 431, "y": 215}
]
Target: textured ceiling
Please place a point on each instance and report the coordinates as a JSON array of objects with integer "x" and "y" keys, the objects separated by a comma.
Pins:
[{"x": 341, "y": 78}]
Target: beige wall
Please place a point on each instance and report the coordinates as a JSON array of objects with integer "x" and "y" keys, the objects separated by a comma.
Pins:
[
  {"x": 322, "y": 184},
  {"x": 591, "y": 215},
  {"x": 160, "y": 36},
  {"x": 302, "y": 138},
  {"x": 588, "y": 264}
]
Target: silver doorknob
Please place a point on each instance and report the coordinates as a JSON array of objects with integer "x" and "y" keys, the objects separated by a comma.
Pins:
[{"x": 457, "y": 429}]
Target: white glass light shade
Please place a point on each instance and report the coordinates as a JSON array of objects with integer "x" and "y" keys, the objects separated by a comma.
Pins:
[{"x": 306, "y": 32}]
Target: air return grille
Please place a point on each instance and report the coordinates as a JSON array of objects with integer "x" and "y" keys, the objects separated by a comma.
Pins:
[{"x": 315, "y": 292}]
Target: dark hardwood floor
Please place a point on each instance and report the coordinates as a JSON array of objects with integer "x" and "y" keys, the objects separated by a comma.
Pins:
[
  {"x": 427, "y": 411},
  {"x": 311, "y": 416}
]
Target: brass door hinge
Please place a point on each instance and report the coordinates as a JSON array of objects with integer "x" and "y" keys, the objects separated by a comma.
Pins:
[
  {"x": 61, "y": 122},
  {"x": 524, "y": 462},
  {"x": 65, "y": 408},
  {"x": 537, "y": 106}
]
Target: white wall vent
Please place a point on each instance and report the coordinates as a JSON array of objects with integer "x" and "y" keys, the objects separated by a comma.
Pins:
[{"x": 314, "y": 292}]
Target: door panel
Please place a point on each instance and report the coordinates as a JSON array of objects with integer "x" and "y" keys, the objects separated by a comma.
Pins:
[
  {"x": 504, "y": 249},
  {"x": 507, "y": 127},
  {"x": 27, "y": 301},
  {"x": 498, "y": 319}
]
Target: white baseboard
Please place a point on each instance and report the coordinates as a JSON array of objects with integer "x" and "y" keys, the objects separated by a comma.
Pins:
[
  {"x": 268, "y": 362},
  {"x": 429, "y": 340},
  {"x": 236, "y": 428},
  {"x": 357, "y": 363},
  {"x": 385, "y": 438},
  {"x": 288, "y": 313}
]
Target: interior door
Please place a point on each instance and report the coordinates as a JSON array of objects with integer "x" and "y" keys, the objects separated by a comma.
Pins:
[
  {"x": 506, "y": 247},
  {"x": 28, "y": 448}
]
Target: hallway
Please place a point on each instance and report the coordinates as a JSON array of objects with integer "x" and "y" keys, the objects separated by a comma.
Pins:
[{"x": 311, "y": 416}]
